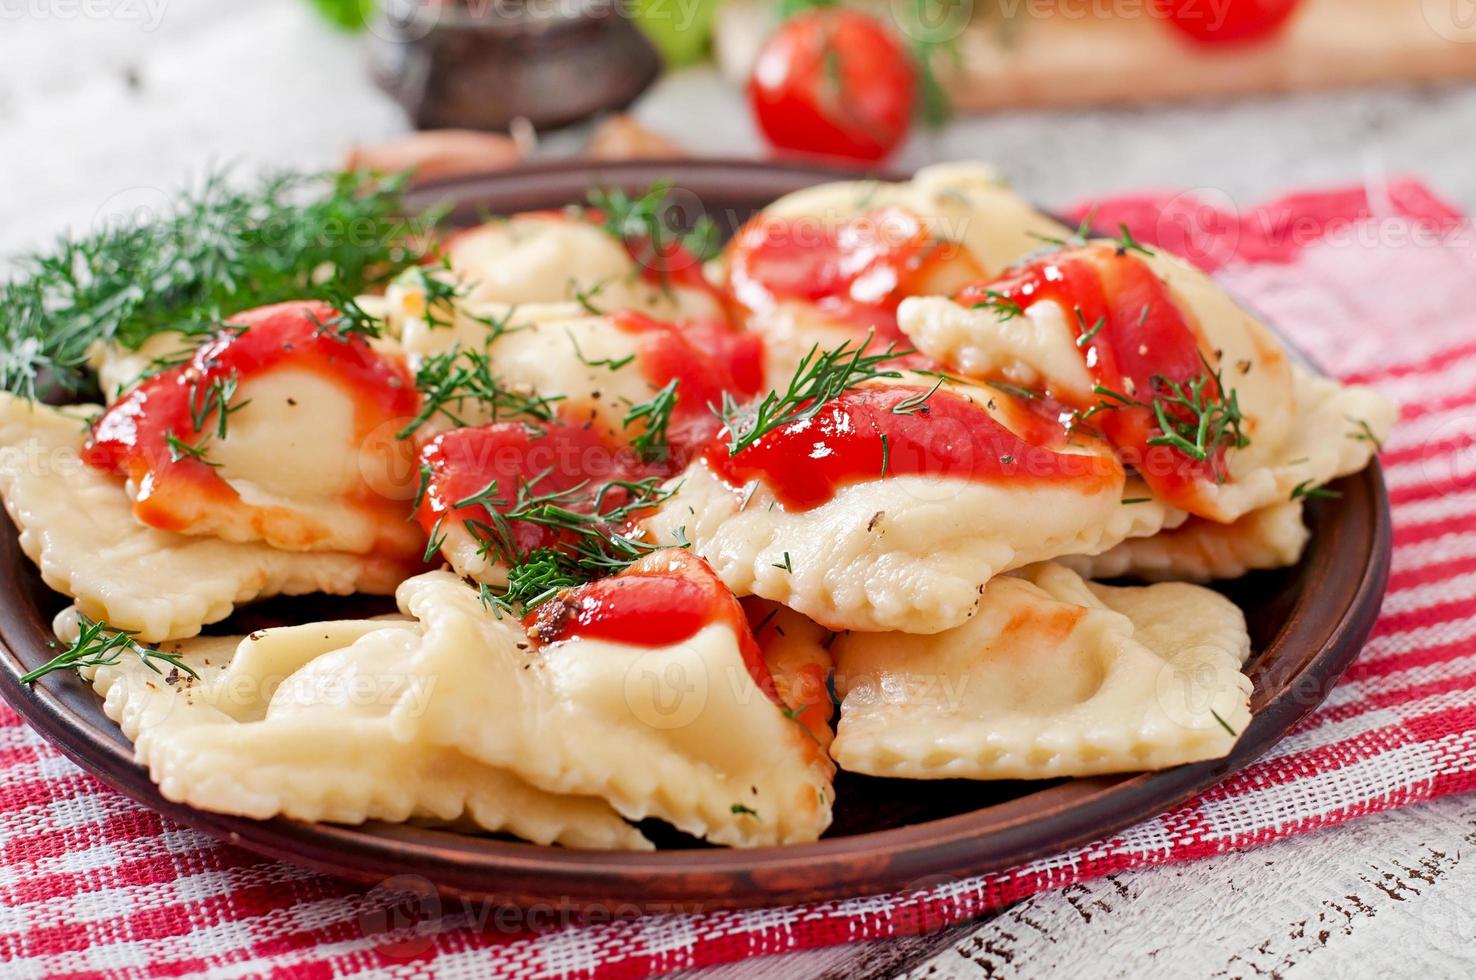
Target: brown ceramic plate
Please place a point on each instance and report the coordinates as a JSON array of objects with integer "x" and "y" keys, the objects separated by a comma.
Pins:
[{"x": 1307, "y": 624}]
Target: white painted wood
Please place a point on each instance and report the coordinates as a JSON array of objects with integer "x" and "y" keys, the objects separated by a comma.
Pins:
[
  {"x": 118, "y": 109},
  {"x": 1388, "y": 895}
]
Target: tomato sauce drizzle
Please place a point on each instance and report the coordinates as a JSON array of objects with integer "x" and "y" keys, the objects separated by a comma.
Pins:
[
  {"x": 131, "y": 438},
  {"x": 1143, "y": 335},
  {"x": 706, "y": 357},
  {"x": 805, "y": 463},
  {"x": 668, "y": 597},
  {"x": 856, "y": 273},
  {"x": 556, "y": 458}
]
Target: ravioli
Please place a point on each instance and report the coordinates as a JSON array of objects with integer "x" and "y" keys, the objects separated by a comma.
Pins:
[
  {"x": 1054, "y": 677},
  {"x": 969, "y": 203},
  {"x": 894, "y": 550},
  {"x": 77, "y": 525},
  {"x": 278, "y": 429},
  {"x": 590, "y": 369},
  {"x": 679, "y": 731},
  {"x": 1200, "y": 550},
  {"x": 552, "y": 257},
  {"x": 797, "y": 652},
  {"x": 233, "y": 740},
  {"x": 1298, "y": 429},
  {"x": 828, "y": 265}
]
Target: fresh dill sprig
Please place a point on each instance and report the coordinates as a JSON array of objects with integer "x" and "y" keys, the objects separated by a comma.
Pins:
[
  {"x": 819, "y": 378},
  {"x": 441, "y": 290},
  {"x": 1308, "y": 490},
  {"x": 1198, "y": 417},
  {"x": 1126, "y": 243},
  {"x": 1089, "y": 334},
  {"x": 585, "y": 524},
  {"x": 497, "y": 326},
  {"x": 100, "y": 645},
  {"x": 1365, "y": 433},
  {"x": 586, "y": 297},
  {"x": 215, "y": 399},
  {"x": 448, "y": 381},
  {"x": 1076, "y": 238},
  {"x": 179, "y": 449},
  {"x": 348, "y": 319},
  {"x": 1018, "y": 391},
  {"x": 1003, "y": 306},
  {"x": 219, "y": 250},
  {"x": 422, "y": 488},
  {"x": 542, "y": 574},
  {"x": 651, "y": 444},
  {"x": 645, "y": 224},
  {"x": 913, "y": 404},
  {"x": 612, "y": 363}
]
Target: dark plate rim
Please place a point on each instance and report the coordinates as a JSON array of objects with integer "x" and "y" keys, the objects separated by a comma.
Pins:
[{"x": 1313, "y": 648}]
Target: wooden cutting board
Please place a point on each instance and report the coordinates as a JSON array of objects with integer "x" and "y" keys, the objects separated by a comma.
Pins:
[
  {"x": 1034, "y": 53},
  {"x": 1070, "y": 55}
]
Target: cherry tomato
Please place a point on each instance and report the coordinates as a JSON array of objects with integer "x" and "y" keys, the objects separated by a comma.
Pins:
[
  {"x": 834, "y": 82},
  {"x": 1223, "y": 21}
]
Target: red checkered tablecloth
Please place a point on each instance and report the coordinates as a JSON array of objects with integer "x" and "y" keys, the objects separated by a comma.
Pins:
[{"x": 1378, "y": 282}]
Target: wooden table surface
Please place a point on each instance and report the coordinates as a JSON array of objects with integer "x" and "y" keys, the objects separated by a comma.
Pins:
[{"x": 109, "y": 112}]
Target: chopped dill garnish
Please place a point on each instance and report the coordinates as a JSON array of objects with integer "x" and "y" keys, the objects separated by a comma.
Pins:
[
  {"x": 916, "y": 403},
  {"x": 586, "y": 297},
  {"x": 1307, "y": 490},
  {"x": 1126, "y": 243},
  {"x": 820, "y": 378},
  {"x": 646, "y": 226},
  {"x": 585, "y": 522},
  {"x": 441, "y": 292},
  {"x": 1019, "y": 391},
  {"x": 421, "y": 489},
  {"x": 1198, "y": 417},
  {"x": 179, "y": 449},
  {"x": 1365, "y": 433},
  {"x": 1088, "y": 334},
  {"x": 1003, "y": 306},
  {"x": 612, "y": 363},
  {"x": 651, "y": 444},
  {"x": 100, "y": 645},
  {"x": 450, "y": 380},
  {"x": 219, "y": 250},
  {"x": 216, "y": 399}
]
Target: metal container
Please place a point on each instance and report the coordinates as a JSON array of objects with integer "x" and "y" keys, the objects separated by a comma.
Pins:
[{"x": 480, "y": 64}]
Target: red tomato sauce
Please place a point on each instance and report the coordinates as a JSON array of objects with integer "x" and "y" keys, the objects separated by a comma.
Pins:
[
  {"x": 856, "y": 273},
  {"x": 131, "y": 439},
  {"x": 706, "y": 357},
  {"x": 1143, "y": 335},
  {"x": 462, "y": 463},
  {"x": 668, "y": 597},
  {"x": 868, "y": 434}
]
